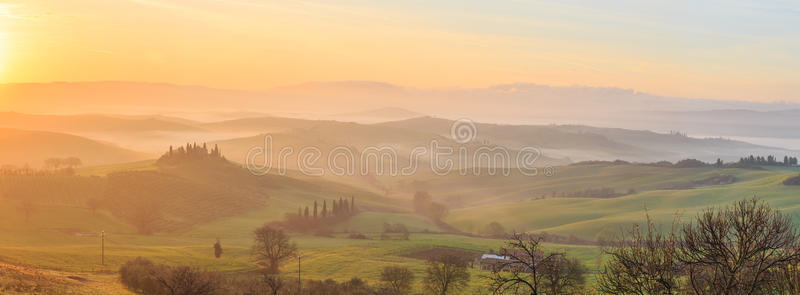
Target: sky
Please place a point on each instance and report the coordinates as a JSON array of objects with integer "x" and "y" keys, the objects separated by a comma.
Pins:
[{"x": 737, "y": 50}]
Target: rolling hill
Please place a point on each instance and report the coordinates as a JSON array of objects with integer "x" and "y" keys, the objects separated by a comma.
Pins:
[
  {"x": 58, "y": 233},
  {"x": 378, "y": 115},
  {"x": 560, "y": 144},
  {"x": 581, "y": 143},
  {"x": 509, "y": 103},
  {"x": 26, "y": 147},
  {"x": 590, "y": 218}
]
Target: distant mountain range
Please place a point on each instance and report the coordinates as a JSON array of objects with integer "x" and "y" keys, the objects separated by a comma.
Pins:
[{"x": 515, "y": 101}]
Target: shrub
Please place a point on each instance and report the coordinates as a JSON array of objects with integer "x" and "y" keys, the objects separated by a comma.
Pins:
[
  {"x": 139, "y": 275},
  {"x": 142, "y": 275},
  {"x": 357, "y": 236},
  {"x": 690, "y": 163},
  {"x": 794, "y": 180}
]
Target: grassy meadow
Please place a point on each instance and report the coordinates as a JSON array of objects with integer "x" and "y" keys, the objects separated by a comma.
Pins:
[{"x": 64, "y": 237}]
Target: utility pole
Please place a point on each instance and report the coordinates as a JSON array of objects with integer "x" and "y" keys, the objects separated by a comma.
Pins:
[
  {"x": 103, "y": 247},
  {"x": 298, "y": 272}
]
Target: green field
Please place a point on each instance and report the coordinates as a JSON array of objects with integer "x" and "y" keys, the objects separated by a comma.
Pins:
[
  {"x": 63, "y": 236},
  {"x": 587, "y": 218}
]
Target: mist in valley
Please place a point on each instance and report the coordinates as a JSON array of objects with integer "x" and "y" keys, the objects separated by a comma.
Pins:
[{"x": 245, "y": 147}]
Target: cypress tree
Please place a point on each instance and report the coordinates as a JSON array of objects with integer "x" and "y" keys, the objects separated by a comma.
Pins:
[
  {"x": 315, "y": 209},
  {"x": 217, "y": 249},
  {"x": 324, "y": 208}
]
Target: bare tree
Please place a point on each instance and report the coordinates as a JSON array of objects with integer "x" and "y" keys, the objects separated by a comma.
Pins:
[
  {"x": 397, "y": 280},
  {"x": 446, "y": 275},
  {"x": 641, "y": 262},
  {"x": 783, "y": 280},
  {"x": 274, "y": 282},
  {"x": 731, "y": 250},
  {"x": 272, "y": 246},
  {"x": 563, "y": 275},
  {"x": 522, "y": 266}
]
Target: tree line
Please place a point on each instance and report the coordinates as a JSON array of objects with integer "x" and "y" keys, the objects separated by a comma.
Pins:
[
  {"x": 56, "y": 163},
  {"x": 744, "y": 162},
  {"x": 767, "y": 161},
  {"x": 63, "y": 166},
  {"x": 320, "y": 217},
  {"x": 190, "y": 152}
]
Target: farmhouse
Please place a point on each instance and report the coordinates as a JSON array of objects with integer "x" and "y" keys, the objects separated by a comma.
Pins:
[{"x": 491, "y": 261}]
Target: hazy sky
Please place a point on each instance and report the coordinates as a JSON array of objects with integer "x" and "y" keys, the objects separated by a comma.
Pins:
[{"x": 711, "y": 49}]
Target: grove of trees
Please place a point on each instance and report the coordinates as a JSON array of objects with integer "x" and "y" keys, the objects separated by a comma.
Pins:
[
  {"x": 190, "y": 152},
  {"x": 424, "y": 205},
  {"x": 57, "y": 163},
  {"x": 744, "y": 248},
  {"x": 320, "y": 217}
]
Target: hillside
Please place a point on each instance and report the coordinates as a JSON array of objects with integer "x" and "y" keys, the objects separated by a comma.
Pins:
[
  {"x": 25, "y": 147},
  {"x": 508, "y": 103},
  {"x": 378, "y": 115},
  {"x": 517, "y": 136},
  {"x": 581, "y": 143},
  {"x": 739, "y": 122},
  {"x": 256, "y": 125},
  {"x": 327, "y": 136},
  {"x": 560, "y": 144},
  {"x": 59, "y": 232},
  {"x": 590, "y": 218},
  {"x": 679, "y": 146}
]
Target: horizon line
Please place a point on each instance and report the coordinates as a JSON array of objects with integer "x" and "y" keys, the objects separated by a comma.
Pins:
[{"x": 400, "y": 86}]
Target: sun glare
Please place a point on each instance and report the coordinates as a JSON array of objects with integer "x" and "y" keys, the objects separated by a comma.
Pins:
[
  {"x": 4, "y": 14},
  {"x": 2, "y": 54}
]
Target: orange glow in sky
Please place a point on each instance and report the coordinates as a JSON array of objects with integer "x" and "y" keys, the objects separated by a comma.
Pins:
[{"x": 678, "y": 49}]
